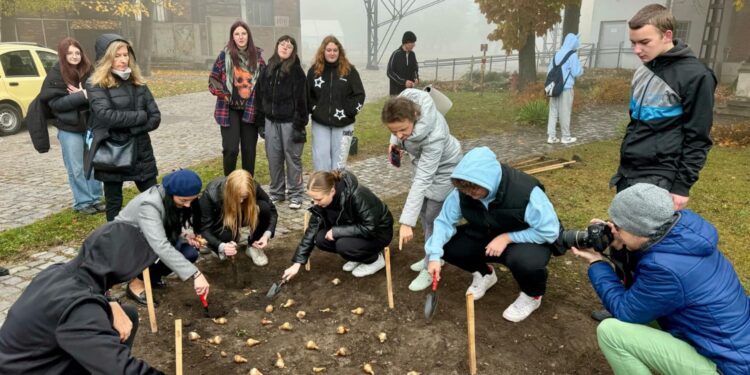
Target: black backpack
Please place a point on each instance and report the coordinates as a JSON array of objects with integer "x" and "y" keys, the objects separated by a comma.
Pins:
[{"x": 555, "y": 82}]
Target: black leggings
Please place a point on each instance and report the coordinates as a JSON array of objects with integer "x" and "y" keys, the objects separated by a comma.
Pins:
[
  {"x": 132, "y": 313},
  {"x": 527, "y": 261},
  {"x": 355, "y": 249},
  {"x": 238, "y": 136},
  {"x": 113, "y": 195}
]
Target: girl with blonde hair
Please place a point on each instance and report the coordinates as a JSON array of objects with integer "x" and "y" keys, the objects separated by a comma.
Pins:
[
  {"x": 123, "y": 110},
  {"x": 347, "y": 219},
  {"x": 336, "y": 97},
  {"x": 231, "y": 203}
]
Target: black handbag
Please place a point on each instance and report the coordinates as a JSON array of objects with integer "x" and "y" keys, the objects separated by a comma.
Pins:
[{"x": 112, "y": 155}]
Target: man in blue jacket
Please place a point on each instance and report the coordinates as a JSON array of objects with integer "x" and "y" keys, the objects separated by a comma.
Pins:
[
  {"x": 681, "y": 281},
  {"x": 561, "y": 106},
  {"x": 509, "y": 220}
]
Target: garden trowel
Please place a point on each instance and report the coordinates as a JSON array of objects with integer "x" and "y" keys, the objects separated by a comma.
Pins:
[{"x": 430, "y": 304}]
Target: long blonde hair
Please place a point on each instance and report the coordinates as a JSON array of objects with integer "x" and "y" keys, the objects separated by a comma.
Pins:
[
  {"x": 320, "y": 58},
  {"x": 324, "y": 181},
  {"x": 238, "y": 213},
  {"x": 103, "y": 76}
]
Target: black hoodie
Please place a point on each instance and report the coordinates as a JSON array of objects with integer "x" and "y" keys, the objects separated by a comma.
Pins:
[
  {"x": 62, "y": 322},
  {"x": 671, "y": 113},
  {"x": 282, "y": 97}
]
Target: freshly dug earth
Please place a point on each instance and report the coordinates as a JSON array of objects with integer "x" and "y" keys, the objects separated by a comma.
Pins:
[{"x": 559, "y": 338}]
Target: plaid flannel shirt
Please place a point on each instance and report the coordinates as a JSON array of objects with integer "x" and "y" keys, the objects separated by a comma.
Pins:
[{"x": 219, "y": 73}]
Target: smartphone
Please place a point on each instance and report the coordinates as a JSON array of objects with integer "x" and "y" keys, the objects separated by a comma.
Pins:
[{"x": 395, "y": 156}]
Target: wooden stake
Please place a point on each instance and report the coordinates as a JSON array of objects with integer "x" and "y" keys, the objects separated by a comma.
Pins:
[
  {"x": 178, "y": 346},
  {"x": 150, "y": 300},
  {"x": 389, "y": 282},
  {"x": 518, "y": 163},
  {"x": 549, "y": 167},
  {"x": 470, "y": 325},
  {"x": 305, "y": 223}
]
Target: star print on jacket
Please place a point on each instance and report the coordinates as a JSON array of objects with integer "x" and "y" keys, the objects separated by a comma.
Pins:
[
  {"x": 319, "y": 82},
  {"x": 359, "y": 107},
  {"x": 339, "y": 114}
]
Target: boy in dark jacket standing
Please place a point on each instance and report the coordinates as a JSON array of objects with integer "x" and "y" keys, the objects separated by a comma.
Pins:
[
  {"x": 681, "y": 280},
  {"x": 671, "y": 106},
  {"x": 403, "y": 70}
]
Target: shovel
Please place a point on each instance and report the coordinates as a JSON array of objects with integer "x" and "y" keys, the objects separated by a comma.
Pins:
[
  {"x": 430, "y": 304},
  {"x": 275, "y": 289}
]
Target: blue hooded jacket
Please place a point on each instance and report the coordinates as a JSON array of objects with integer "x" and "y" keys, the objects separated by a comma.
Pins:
[
  {"x": 686, "y": 284},
  {"x": 572, "y": 67},
  {"x": 480, "y": 166}
]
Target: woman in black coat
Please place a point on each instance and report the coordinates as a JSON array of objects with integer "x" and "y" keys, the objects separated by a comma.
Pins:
[
  {"x": 347, "y": 219},
  {"x": 63, "y": 92},
  {"x": 63, "y": 322},
  {"x": 231, "y": 203},
  {"x": 123, "y": 110}
]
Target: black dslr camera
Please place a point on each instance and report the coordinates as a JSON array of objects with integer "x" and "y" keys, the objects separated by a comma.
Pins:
[{"x": 597, "y": 236}]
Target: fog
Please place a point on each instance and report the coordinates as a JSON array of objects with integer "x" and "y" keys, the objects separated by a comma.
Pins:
[{"x": 452, "y": 28}]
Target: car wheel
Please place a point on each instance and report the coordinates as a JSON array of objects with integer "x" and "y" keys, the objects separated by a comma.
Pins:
[{"x": 10, "y": 119}]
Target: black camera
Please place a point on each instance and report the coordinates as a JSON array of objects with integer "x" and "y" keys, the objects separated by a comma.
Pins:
[{"x": 597, "y": 236}]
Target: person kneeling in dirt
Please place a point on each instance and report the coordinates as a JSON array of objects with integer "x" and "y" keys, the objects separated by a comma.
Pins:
[
  {"x": 682, "y": 281},
  {"x": 347, "y": 219},
  {"x": 510, "y": 220},
  {"x": 162, "y": 212},
  {"x": 418, "y": 128},
  {"x": 233, "y": 202},
  {"x": 63, "y": 322}
]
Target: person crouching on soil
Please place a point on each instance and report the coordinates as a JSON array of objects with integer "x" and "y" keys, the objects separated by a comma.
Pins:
[
  {"x": 509, "y": 220},
  {"x": 347, "y": 219},
  {"x": 231, "y": 203},
  {"x": 418, "y": 128},
  {"x": 162, "y": 212},
  {"x": 63, "y": 322}
]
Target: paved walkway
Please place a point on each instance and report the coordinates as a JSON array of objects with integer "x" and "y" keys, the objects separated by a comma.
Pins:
[{"x": 39, "y": 184}]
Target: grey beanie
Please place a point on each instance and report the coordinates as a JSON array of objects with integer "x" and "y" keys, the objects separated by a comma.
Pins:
[{"x": 641, "y": 209}]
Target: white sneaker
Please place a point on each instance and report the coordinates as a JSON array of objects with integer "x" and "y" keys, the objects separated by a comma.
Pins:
[
  {"x": 295, "y": 203},
  {"x": 368, "y": 269},
  {"x": 553, "y": 139},
  {"x": 522, "y": 307},
  {"x": 257, "y": 255},
  {"x": 480, "y": 284},
  {"x": 566, "y": 140},
  {"x": 350, "y": 266}
]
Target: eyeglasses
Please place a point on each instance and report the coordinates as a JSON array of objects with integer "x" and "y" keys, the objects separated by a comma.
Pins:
[{"x": 286, "y": 45}]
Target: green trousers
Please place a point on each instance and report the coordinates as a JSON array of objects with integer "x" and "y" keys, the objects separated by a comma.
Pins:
[{"x": 637, "y": 349}]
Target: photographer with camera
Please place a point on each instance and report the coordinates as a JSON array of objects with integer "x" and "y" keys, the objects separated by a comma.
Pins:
[
  {"x": 509, "y": 220},
  {"x": 681, "y": 281}
]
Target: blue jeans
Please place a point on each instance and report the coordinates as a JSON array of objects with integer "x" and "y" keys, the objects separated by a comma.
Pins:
[{"x": 85, "y": 192}]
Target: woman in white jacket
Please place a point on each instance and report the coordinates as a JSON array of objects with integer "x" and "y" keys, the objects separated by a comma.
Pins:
[{"x": 418, "y": 129}]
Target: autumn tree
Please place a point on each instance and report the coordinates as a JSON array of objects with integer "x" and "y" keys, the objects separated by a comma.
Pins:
[
  {"x": 571, "y": 18},
  {"x": 517, "y": 23},
  {"x": 10, "y": 8}
]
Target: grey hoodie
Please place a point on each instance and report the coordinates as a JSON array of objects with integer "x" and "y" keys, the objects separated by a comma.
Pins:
[
  {"x": 434, "y": 152},
  {"x": 146, "y": 211}
]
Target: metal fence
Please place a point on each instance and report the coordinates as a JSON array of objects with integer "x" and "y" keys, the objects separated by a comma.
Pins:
[{"x": 589, "y": 54}]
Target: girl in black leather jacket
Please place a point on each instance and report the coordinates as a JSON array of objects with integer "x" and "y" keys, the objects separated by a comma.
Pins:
[
  {"x": 230, "y": 203},
  {"x": 122, "y": 108},
  {"x": 346, "y": 219}
]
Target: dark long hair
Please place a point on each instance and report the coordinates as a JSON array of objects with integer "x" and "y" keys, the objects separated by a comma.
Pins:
[
  {"x": 234, "y": 51},
  {"x": 287, "y": 64},
  {"x": 176, "y": 218},
  {"x": 72, "y": 75}
]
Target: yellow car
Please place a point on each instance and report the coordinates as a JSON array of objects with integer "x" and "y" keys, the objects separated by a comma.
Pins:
[{"x": 23, "y": 67}]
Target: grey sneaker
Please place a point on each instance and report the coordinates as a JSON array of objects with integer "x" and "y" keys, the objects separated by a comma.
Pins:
[
  {"x": 257, "y": 255},
  {"x": 295, "y": 203},
  {"x": 89, "y": 210},
  {"x": 276, "y": 199},
  {"x": 421, "y": 282}
]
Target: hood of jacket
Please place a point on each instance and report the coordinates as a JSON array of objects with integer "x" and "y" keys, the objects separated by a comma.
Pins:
[
  {"x": 678, "y": 52},
  {"x": 570, "y": 43},
  {"x": 688, "y": 229},
  {"x": 480, "y": 166},
  {"x": 104, "y": 40},
  {"x": 114, "y": 253},
  {"x": 429, "y": 115}
]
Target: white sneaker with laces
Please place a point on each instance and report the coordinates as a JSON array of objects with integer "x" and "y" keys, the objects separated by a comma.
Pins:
[
  {"x": 350, "y": 266},
  {"x": 480, "y": 284},
  {"x": 567, "y": 140},
  {"x": 368, "y": 269},
  {"x": 553, "y": 139},
  {"x": 295, "y": 204},
  {"x": 257, "y": 255},
  {"x": 522, "y": 307}
]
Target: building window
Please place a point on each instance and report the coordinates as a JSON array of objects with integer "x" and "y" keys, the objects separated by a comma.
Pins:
[
  {"x": 260, "y": 12},
  {"x": 682, "y": 30}
]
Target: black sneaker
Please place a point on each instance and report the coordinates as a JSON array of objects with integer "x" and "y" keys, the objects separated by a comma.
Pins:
[
  {"x": 101, "y": 206},
  {"x": 90, "y": 210}
]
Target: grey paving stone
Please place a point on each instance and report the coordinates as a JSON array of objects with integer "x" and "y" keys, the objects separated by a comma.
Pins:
[{"x": 13, "y": 280}]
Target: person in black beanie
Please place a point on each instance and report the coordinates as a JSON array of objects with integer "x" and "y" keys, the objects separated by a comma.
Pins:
[{"x": 403, "y": 70}]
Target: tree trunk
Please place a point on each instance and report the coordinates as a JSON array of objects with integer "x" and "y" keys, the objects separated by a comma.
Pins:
[
  {"x": 571, "y": 19},
  {"x": 146, "y": 39},
  {"x": 527, "y": 62}
]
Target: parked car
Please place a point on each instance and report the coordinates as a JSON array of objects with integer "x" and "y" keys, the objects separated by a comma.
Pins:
[{"x": 23, "y": 67}]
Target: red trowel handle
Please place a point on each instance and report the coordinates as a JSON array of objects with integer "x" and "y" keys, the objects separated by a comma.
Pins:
[
  {"x": 204, "y": 301},
  {"x": 434, "y": 281}
]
